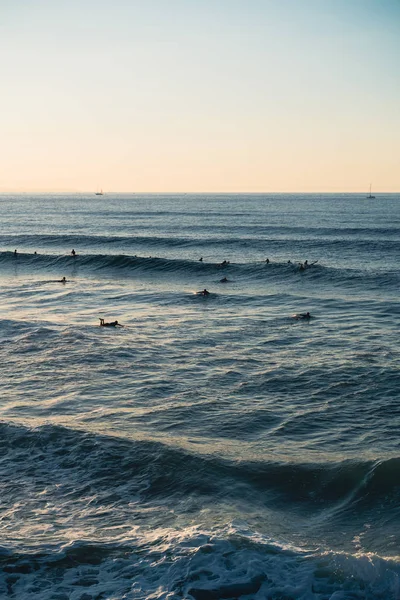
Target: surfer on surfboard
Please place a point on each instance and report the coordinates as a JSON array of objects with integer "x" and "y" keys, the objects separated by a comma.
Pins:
[{"x": 112, "y": 324}]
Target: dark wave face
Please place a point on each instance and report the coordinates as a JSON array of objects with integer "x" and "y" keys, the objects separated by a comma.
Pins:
[
  {"x": 221, "y": 445},
  {"x": 111, "y": 485},
  {"x": 120, "y": 470},
  {"x": 340, "y": 249},
  {"x": 278, "y": 273}
]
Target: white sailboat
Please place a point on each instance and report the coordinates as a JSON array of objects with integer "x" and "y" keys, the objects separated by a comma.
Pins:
[
  {"x": 100, "y": 193},
  {"x": 370, "y": 195}
]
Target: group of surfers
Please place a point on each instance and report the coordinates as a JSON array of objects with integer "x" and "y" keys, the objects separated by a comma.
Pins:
[
  {"x": 302, "y": 266},
  {"x": 205, "y": 292}
]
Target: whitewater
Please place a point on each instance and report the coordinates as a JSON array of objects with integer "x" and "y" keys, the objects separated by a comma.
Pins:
[{"x": 214, "y": 446}]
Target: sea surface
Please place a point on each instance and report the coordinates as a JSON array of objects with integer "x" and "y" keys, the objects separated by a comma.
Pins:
[{"x": 214, "y": 446}]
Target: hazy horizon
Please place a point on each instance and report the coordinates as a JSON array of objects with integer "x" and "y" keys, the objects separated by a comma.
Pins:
[{"x": 194, "y": 193}]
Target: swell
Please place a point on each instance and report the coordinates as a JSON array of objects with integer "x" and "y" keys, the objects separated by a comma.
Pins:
[
  {"x": 249, "y": 237},
  {"x": 125, "y": 265},
  {"x": 118, "y": 470}
]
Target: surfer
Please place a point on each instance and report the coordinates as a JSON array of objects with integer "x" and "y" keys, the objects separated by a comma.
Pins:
[
  {"x": 267, "y": 261},
  {"x": 112, "y": 324},
  {"x": 224, "y": 262},
  {"x": 302, "y": 316},
  {"x": 15, "y": 252},
  {"x": 303, "y": 266},
  {"x": 224, "y": 280},
  {"x": 63, "y": 280},
  {"x": 73, "y": 253},
  {"x": 204, "y": 292},
  {"x": 201, "y": 259}
]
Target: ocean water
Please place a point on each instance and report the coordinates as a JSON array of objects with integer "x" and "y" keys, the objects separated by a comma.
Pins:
[{"x": 215, "y": 446}]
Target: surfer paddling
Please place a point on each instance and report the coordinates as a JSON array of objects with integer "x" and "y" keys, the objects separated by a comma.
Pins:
[{"x": 111, "y": 324}]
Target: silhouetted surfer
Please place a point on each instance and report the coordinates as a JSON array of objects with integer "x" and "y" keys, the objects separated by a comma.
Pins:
[
  {"x": 306, "y": 264},
  {"x": 112, "y": 324},
  {"x": 15, "y": 252},
  {"x": 73, "y": 253},
  {"x": 201, "y": 259},
  {"x": 204, "y": 293},
  {"x": 267, "y": 261},
  {"x": 224, "y": 280},
  {"x": 224, "y": 263},
  {"x": 63, "y": 280},
  {"x": 302, "y": 316}
]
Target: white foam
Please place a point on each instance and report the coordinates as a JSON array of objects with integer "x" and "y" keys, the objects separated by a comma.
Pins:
[{"x": 169, "y": 564}]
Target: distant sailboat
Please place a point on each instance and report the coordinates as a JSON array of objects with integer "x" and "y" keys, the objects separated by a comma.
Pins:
[
  {"x": 370, "y": 195},
  {"x": 100, "y": 193}
]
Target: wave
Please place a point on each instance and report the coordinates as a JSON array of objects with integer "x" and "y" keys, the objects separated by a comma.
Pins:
[
  {"x": 125, "y": 265},
  {"x": 106, "y": 463},
  {"x": 259, "y": 238},
  {"x": 91, "y": 494}
]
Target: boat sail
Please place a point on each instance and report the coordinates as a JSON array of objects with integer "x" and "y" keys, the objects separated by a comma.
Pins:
[{"x": 370, "y": 195}]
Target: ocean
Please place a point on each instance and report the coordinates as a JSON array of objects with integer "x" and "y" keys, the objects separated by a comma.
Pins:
[{"x": 214, "y": 446}]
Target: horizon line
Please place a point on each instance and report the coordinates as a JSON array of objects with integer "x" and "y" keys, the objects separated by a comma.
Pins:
[{"x": 105, "y": 193}]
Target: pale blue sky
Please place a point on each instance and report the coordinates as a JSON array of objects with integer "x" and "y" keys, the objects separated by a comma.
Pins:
[{"x": 184, "y": 95}]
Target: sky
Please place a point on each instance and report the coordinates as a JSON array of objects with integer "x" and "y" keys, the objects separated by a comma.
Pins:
[{"x": 199, "y": 95}]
